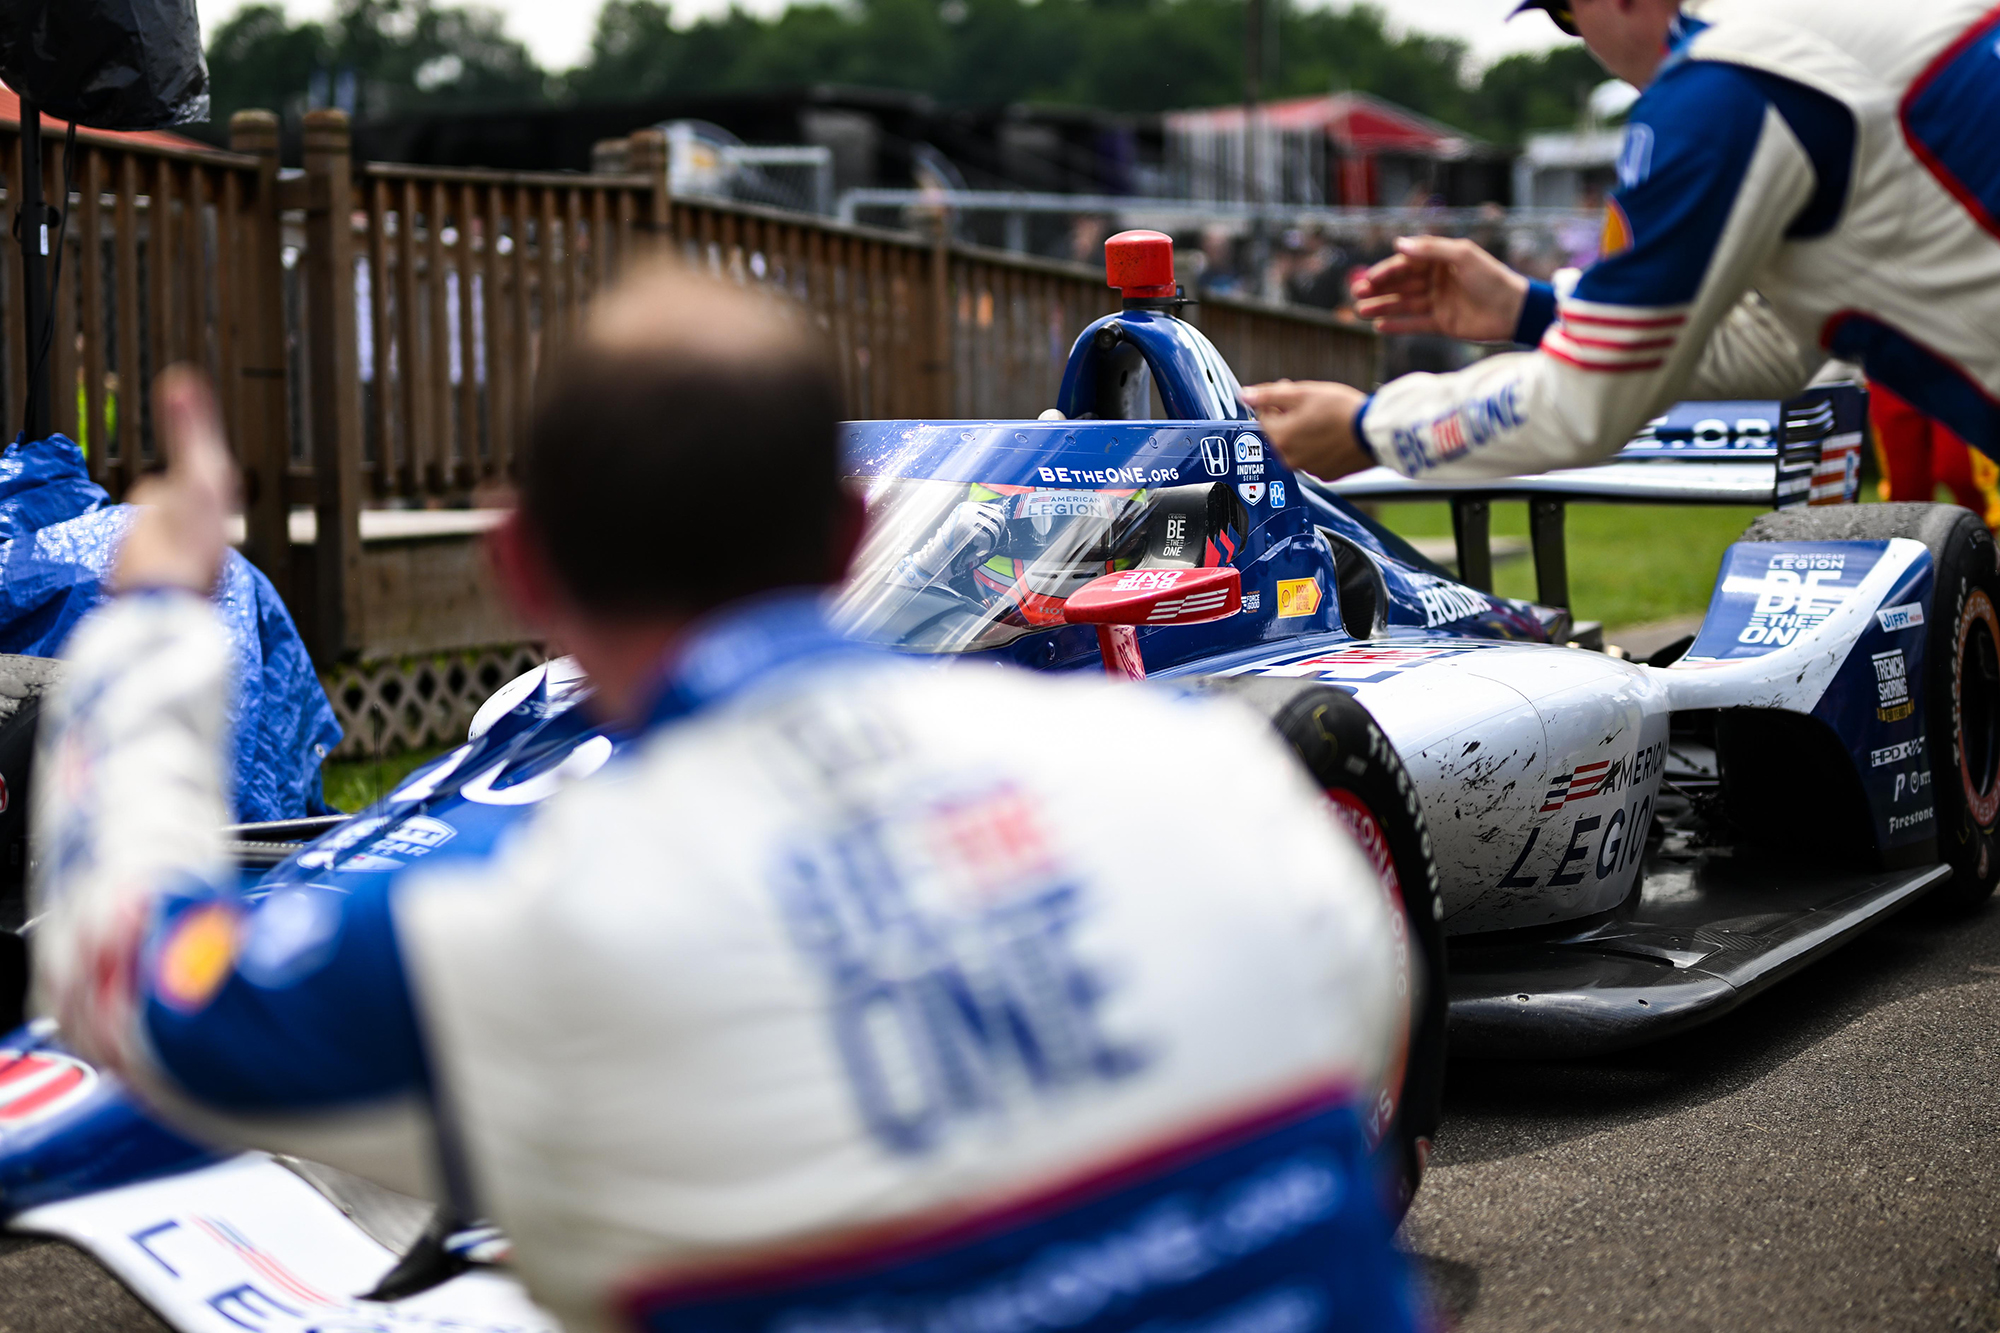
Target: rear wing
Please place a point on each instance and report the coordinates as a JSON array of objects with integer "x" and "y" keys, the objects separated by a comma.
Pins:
[{"x": 1771, "y": 455}]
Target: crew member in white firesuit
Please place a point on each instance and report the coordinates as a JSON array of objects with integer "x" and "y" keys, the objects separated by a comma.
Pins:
[
  {"x": 816, "y": 1007},
  {"x": 1799, "y": 179}
]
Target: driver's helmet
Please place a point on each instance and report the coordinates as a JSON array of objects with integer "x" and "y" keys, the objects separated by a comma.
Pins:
[{"x": 1050, "y": 542}]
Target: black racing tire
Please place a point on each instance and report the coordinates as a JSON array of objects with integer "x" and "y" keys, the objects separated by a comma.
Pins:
[
  {"x": 1350, "y": 759},
  {"x": 1962, "y": 680}
]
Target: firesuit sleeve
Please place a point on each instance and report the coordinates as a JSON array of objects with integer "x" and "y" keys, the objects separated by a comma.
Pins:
[
  {"x": 1715, "y": 177},
  {"x": 284, "y": 1022},
  {"x": 1752, "y": 354}
]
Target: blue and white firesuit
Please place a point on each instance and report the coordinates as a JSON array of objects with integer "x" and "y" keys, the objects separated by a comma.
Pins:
[
  {"x": 1805, "y": 178},
  {"x": 811, "y": 1008}
]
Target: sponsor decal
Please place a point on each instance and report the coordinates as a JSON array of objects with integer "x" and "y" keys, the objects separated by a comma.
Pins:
[
  {"x": 1252, "y": 493},
  {"x": 323, "y": 853},
  {"x": 1472, "y": 426},
  {"x": 419, "y": 835},
  {"x": 1445, "y": 601},
  {"x": 1635, "y": 156},
  {"x": 1798, "y": 593},
  {"x": 197, "y": 956},
  {"x": 1176, "y": 537},
  {"x": 1893, "y": 618},
  {"x": 1368, "y": 665},
  {"x": 1895, "y": 754},
  {"x": 1604, "y": 777},
  {"x": 36, "y": 1086},
  {"x": 1250, "y": 470},
  {"x": 1148, "y": 580},
  {"x": 1297, "y": 597},
  {"x": 1897, "y": 823},
  {"x": 1214, "y": 455},
  {"x": 946, "y": 938},
  {"x": 1617, "y": 237},
  {"x": 1065, "y": 504},
  {"x": 1277, "y": 502},
  {"x": 1911, "y": 783},
  {"x": 1109, "y": 476},
  {"x": 1249, "y": 449},
  {"x": 1892, "y": 686},
  {"x": 1253, "y": 601}
]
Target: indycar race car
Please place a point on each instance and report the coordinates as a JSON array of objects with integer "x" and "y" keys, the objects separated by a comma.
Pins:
[{"x": 1592, "y": 852}]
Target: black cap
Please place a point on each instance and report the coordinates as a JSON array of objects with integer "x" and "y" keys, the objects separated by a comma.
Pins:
[{"x": 1557, "y": 10}]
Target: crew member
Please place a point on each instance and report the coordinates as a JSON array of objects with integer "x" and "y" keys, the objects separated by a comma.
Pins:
[
  {"x": 1918, "y": 455},
  {"x": 1799, "y": 178},
  {"x": 816, "y": 1007}
]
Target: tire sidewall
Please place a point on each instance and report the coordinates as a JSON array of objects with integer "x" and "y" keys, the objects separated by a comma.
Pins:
[
  {"x": 1967, "y": 593},
  {"x": 1346, "y": 751}
]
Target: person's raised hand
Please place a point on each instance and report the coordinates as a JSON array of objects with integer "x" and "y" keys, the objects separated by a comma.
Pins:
[
  {"x": 1311, "y": 425},
  {"x": 1434, "y": 284},
  {"x": 182, "y": 531}
]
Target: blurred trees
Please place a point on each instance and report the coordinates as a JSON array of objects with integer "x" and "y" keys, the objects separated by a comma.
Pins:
[
  {"x": 379, "y": 56},
  {"x": 371, "y": 57}
]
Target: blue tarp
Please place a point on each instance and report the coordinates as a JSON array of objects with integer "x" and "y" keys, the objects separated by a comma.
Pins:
[{"x": 59, "y": 533}]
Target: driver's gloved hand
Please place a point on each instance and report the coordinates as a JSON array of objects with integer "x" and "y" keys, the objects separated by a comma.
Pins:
[{"x": 969, "y": 536}]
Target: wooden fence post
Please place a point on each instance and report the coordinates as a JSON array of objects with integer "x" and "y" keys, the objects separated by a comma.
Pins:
[
  {"x": 336, "y": 382},
  {"x": 263, "y": 411},
  {"x": 646, "y": 155},
  {"x": 941, "y": 363}
]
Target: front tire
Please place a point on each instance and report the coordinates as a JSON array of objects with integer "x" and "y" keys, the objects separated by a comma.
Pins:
[{"x": 1371, "y": 793}]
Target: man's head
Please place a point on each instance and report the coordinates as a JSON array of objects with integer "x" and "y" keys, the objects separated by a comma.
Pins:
[
  {"x": 684, "y": 454},
  {"x": 1628, "y": 37}
]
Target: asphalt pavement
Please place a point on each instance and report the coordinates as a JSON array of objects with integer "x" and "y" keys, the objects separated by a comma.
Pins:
[{"x": 1825, "y": 1158}]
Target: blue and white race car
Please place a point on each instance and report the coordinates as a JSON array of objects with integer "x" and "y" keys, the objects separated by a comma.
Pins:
[{"x": 1613, "y": 850}]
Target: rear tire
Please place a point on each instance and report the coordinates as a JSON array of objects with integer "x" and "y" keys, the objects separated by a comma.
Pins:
[
  {"x": 1372, "y": 793},
  {"x": 1962, "y": 678}
]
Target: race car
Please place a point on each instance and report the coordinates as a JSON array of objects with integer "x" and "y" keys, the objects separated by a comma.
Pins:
[{"x": 1613, "y": 850}]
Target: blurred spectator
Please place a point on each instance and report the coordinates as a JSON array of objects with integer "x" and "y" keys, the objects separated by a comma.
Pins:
[
  {"x": 1917, "y": 455},
  {"x": 1490, "y": 232},
  {"x": 1320, "y": 275},
  {"x": 1220, "y": 273},
  {"x": 1087, "y": 234}
]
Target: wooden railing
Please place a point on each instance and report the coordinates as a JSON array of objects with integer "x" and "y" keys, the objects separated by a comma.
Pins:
[{"x": 379, "y": 331}]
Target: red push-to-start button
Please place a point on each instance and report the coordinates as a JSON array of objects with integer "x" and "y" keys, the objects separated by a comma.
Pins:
[{"x": 1140, "y": 264}]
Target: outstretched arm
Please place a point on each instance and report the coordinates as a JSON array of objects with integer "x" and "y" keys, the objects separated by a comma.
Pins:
[
  {"x": 1717, "y": 178},
  {"x": 227, "y": 1015}
]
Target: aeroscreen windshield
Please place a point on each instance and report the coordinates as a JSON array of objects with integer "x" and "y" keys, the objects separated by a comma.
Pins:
[{"x": 955, "y": 567}]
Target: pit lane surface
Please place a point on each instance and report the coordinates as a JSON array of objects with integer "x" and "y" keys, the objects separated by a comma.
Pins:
[{"x": 1827, "y": 1157}]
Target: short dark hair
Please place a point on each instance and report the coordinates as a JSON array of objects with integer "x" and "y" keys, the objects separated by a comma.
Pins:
[{"x": 669, "y": 469}]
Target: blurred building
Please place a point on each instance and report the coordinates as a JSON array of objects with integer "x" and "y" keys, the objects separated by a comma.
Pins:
[
  {"x": 1341, "y": 150},
  {"x": 876, "y": 138}
]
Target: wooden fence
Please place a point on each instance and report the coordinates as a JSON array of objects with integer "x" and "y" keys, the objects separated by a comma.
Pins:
[{"x": 378, "y": 331}]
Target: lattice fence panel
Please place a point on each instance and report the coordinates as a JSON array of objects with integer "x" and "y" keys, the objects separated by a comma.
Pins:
[{"x": 412, "y": 703}]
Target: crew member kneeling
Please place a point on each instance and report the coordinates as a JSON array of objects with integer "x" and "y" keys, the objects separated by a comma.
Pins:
[{"x": 816, "y": 1009}]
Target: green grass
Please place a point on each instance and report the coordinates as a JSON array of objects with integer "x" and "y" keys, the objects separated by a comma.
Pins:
[
  {"x": 351, "y": 784},
  {"x": 1628, "y": 564}
]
